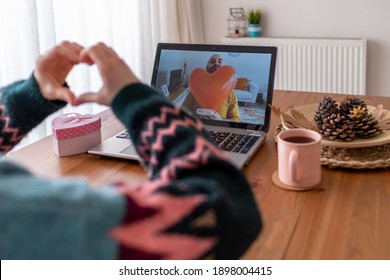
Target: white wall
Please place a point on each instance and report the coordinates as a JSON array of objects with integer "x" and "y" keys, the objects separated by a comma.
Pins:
[{"x": 367, "y": 19}]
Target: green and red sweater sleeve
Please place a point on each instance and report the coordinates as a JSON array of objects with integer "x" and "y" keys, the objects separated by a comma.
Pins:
[
  {"x": 195, "y": 204},
  {"x": 22, "y": 107}
]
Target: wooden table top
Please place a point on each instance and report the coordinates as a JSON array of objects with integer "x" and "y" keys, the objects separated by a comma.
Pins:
[{"x": 347, "y": 217}]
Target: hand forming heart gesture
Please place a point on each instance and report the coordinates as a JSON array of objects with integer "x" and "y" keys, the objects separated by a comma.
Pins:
[{"x": 53, "y": 67}]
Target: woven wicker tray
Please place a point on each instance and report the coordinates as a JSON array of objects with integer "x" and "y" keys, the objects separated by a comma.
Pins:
[{"x": 355, "y": 158}]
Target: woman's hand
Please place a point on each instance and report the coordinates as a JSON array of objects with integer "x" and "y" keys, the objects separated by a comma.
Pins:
[
  {"x": 53, "y": 67},
  {"x": 113, "y": 70}
]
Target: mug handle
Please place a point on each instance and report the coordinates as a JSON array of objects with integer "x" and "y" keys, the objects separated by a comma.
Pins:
[{"x": 293, "y": 160}]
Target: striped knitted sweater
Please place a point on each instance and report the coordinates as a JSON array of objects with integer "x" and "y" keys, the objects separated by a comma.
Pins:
[{"x": 195, "y": 205}]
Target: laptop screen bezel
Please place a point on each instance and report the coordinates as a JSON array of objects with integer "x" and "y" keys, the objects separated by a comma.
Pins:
[{"x": 227, "y": 48}]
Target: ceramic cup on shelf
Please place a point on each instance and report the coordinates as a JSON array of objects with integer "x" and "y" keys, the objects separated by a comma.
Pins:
[{"x": 299, "y": 159}]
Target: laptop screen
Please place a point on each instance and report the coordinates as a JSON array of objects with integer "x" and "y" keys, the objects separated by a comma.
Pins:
[{"x": 223, "y": 85}]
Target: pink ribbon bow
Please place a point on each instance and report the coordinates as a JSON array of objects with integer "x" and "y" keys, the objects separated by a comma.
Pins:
[{"x": 75, "y": 118}]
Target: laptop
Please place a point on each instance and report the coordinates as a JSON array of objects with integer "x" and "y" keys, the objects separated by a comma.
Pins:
[{"x": 244, "y": 85}]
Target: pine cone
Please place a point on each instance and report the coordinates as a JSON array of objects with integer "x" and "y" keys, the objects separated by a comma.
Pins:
[
  {"x": 349, "y": 103},
  {"x": 325, "y": 108},
  {"x": 336, "y": 127},
  {"x": 364, "y": 124}
]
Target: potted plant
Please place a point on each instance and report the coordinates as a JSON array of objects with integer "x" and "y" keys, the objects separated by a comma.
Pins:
[{"x": 254, "y": 26}]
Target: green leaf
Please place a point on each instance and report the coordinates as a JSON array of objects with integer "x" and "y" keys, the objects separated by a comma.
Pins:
[{"x": 254, "y": 16}]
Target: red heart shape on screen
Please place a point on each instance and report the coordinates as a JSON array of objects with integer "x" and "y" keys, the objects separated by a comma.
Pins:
[{"x": 211, "y": 89}]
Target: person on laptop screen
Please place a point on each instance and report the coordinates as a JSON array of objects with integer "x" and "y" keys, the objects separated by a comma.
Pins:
[
  {"x": 228, "y": 110},
  {"x": 194, "y": 205}
]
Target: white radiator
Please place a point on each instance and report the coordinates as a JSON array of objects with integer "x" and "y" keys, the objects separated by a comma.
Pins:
[{"x": 318, "y": 65}]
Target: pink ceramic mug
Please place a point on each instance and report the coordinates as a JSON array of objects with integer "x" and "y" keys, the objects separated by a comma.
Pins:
[{"x": 299, "y": 158}]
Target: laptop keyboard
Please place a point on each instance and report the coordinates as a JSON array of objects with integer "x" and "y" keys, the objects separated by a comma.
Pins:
[
  {"x": 123, "y": 135},
  {"x": 234, "y": 142}
]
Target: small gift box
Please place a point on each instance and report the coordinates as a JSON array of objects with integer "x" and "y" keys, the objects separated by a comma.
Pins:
[{"x": 75, "y": 133}]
